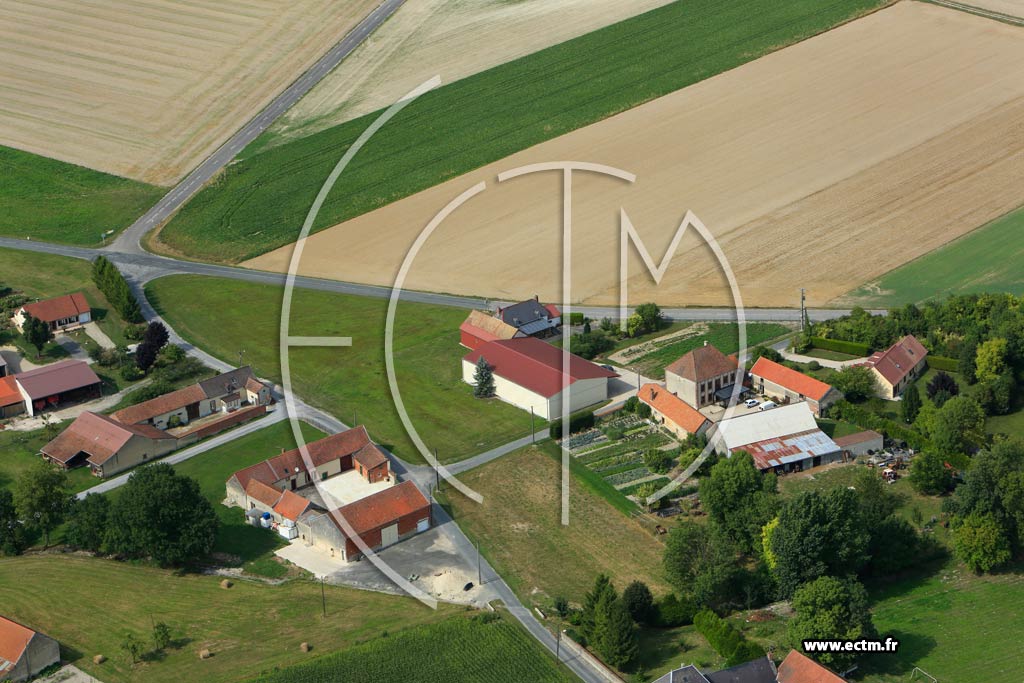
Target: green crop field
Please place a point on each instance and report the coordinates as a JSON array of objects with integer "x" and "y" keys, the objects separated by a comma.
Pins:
[
  {"x": 50, "y": 200},
  {"x": 724, "y": 336},
  {"x": 90, "y": 604},
  {"x": 986, "y": 260},
  {"x": 458, "y": 650},
  {"x": 224, "y": 317},
  {"x": 259, "y": 203}
]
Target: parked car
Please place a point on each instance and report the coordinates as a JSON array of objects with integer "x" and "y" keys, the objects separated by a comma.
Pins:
[
  {"x": 751, "y": 403},
  {"x": 767, "y": 405}
]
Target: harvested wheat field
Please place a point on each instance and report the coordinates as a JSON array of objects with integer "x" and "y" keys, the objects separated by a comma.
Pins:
[
  {"x": 449, "y": 38},
  {"x": 1013, "y": 8},
  {"x": 822, "y": 165},
  {"x": 147, "y": 90}
]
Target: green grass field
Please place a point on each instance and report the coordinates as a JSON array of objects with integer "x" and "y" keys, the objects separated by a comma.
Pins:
[
  {"x": 250, "y": 545},
  {"x": 457, "y": 650},
  {"x": 225, "y": 316},
  {"x": 49, "y": 200},
  {"x": 724, "y": 336},
  {"x": 986, "y": 260},
  {"x": 259, "y": 204},
  {"x": 20, "y": 450},
  {"x": 89, "y": 604}
]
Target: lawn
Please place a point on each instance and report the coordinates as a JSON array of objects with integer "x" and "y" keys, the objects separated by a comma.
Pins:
[
  {"x": 477, "y": 652},
  {"x": 724, "y": 336},
  {"x": 250, "y": 545},
  {"x": 986, "y": 260},
  {"x": 519, "y": 530},
  {"x": 20, "y": 450},
  {"x": 224, "y": 317},
  {"x": 49, "y": 200},
  {"x": 42, "y": 276},
  {"x": 826, "y": 354},
  {"x": 258, "y": 203},
  {"x": 836, "y": 429},
  {"x": 89, "y": 604}
]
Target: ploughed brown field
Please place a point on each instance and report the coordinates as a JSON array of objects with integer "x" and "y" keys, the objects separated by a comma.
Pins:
[
  {"x": 823, "y": 165},
  {"x": 147, "y": 90}
]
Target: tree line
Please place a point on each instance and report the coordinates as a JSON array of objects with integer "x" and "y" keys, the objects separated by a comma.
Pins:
[{"x": 115, "y": 288}]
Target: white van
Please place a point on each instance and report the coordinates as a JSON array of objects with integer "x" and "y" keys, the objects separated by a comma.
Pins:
[{"x": 767, "y": 405}]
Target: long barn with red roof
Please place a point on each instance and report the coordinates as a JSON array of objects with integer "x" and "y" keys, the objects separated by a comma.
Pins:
[{"x": 788, "y": 385}]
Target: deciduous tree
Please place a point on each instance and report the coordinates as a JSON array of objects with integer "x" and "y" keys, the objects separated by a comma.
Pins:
[
  {"x": 830, "y": 608},
  {"x": 36, "y": 332},
  {"x": 41, "y": 497}
]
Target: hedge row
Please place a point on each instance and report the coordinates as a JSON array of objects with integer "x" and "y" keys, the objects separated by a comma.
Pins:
[
  {"x": 578, "y": 422},
  {"x": 943, "y": 363},
  {"x": 840, "y": 346},
  {"x": 866, "y": 419},
  {"x": 113, "y": 285},
  {"x": 726, "y": 640}
]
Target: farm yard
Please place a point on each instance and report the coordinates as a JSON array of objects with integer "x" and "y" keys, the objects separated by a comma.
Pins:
[
  {"x": 258, "y": 204},
  {"x": 250, "y": 628},
  {"x": 913, "y": 176},
  {"x": 986, "y": 260},
  {"x": 486, "y": 644},
  {"x": 146, "y": 91},
  {"x": 447, "y": 38},
  {"x": 226, "y": 316}
]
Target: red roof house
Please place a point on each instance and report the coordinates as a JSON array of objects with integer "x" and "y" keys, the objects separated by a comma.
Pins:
[
  {"x": 700, "y": 375},
  {"x": 385, "y": 517},
  {"x": 529, "y": 373},
  {"x": 776, "y": 380},
  {"x": 105, "y": 445},
  {"x": 479, "y": 328},
  {"x": 672, "y": 411},
  {"x": 898, "y": 365},
  {"x": 24, "y": 652},
  {"x": 62, "y": 312},
  {"x": 799, "y": 668}
]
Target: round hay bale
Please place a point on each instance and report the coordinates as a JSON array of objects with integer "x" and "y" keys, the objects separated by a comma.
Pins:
[
  {"x": 226, "y": 583},
  {"x": 205, "y": 654},
  {"x": 304, "y": 647},
  {"x": 99, "y": 659}
]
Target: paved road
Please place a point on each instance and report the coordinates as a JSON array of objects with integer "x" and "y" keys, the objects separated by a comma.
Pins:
[
  {"x": 129, "y": 240},
  {"x": 980, "y": 11}
]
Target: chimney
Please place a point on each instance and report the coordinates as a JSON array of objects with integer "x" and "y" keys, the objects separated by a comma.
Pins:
[{"x": 705, "y": 342}]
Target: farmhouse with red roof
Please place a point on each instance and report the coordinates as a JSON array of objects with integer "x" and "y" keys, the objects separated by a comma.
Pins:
[
  {"x": 61, "y": 313},
  {"x": 24, "y": 652},
  {"x": 788, "y": 385},
  {"x": 479, "y": 328},
  {"x": 672, "y": 412},
  {"x": 347, "y": 483},
  {"x": 703, "y": 376},
  {"x": 528, "y": 374},
  {"x": 898, "y": 366}
]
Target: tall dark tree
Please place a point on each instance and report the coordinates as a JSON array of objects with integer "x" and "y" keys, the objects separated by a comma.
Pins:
[
  {"x": 966, "y": 359},
  {"x": 639, "y": 602},
  {"x": 145, "y": 356},
  {"x": 156, "y": 334},
  {"x": 910, "y": 406},
  {"x": 41, "y": 497},
  {"x": 87, "y": 523},
  {"x": 483, "y": 379},
  {"x": 942, "y": 381},
  {"x": 162, "y": 515},
  {"x": 614, "y": 633},
  {"x": 602, "y": 588},
  {"x": 929, "y": 474},
  {"x": 701, "y": 564},
  {"x": 12, "y": 532},
  {"x": 36, "y": 332}
]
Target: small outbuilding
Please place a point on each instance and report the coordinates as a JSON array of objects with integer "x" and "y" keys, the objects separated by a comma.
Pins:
[
  {"x": 24, "y": 652},
  {"x": 68, "y": 381},
  {"x": 861, "y": 443}
]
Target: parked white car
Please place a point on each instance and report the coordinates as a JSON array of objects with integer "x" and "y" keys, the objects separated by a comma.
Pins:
[
  {"x": 751, "y": 403},
  {"x": 767, "y": 405}
]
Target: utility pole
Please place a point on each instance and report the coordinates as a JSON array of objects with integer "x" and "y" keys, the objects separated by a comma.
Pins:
[
  {"x": 241, "y": 352},
  {"x": 533, "y": 430},
  {"x": 323, "y": 597},
  {"x": 803, "y": 310}
]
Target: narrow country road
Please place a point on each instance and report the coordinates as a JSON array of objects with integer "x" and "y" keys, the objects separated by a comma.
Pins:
[{"x": 130, "y": 240}]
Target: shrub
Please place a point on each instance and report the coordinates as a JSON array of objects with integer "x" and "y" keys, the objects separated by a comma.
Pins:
[
  {"x": 577, "y": 423},
  {"x": 134, "y": 332},
  {"x": 840, "y": 346},
  {"x": 943, "y": 363},
  {"x": 130, "y": 373},
  {"x": 575, "y": 318},
  {"x": 726, "y": 640},
  {"x": 670, "y": 612},
  {"x": 814, "y": 365},
  {"x": 658, "y": 461}
]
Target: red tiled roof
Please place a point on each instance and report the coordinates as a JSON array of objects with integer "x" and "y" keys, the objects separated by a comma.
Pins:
[
  {"x": 291, "y": 505},
  {"x": 487, "y": 327},
  {"x": 254, "y": 385},
  {"x": 147, "y": 410},
  {"x": 672, "y": 407},
  {"x": 14, "y": 638},
  {"x": 264, "y": 493},
  {"x": 799, "y": 668},
  {"x": 535, "y": 365},
  {"x": 793, "y": 380},
  {"x": 325, "y": 450},
  {"x": 369, "y": 456},
  {"x": 97, "y": 435},
  {"x": 703, "y": 363},
  {"x": 9, "y": 393},
  {"x": 898, "y": 360},
  {"x": 383, "y": 508},
  {"x": 58, "y": 308},
  {"x": 553, "y": 310},
  {"x": 51, "y": 380}
]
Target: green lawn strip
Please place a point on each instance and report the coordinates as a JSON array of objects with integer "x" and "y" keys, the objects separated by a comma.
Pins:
[
  {"x": 89, "y": 604},
  {"x": 226, "y": 316},
  {"x": 258, "y": 203},
  {"x": 985, "y": 260},
  {"x": 20, "y": 450},
  {"x": 836, "y": 429},
  {"x": 41, "y": 276},
  {"x": 724, "y": 336},
  {"x": 457, "y": 650},
  {"x": 53, "y": 201}
]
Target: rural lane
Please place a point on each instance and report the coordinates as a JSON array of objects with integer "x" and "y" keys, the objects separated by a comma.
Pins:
[{"x": 129, "y": 241}]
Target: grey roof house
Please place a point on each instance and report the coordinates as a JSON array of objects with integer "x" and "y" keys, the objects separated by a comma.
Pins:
[{"x": 531, "y": 317}]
